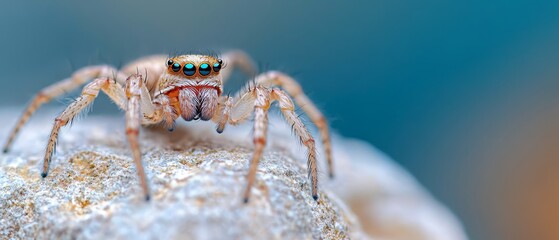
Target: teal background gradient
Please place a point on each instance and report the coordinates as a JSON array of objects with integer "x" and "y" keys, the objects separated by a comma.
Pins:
[{"x": 463, "y": 94}]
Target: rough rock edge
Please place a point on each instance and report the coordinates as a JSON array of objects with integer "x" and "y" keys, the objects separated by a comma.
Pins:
[{"x": 197, "y": 181}]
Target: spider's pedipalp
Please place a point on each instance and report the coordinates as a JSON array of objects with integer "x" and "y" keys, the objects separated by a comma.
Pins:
[
  {"x": 223, "y": 111},
  {"x": 168, "y": 113}
]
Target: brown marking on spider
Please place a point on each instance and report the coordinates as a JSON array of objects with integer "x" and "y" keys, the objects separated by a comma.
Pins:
[{"x": 191, "y": 87}]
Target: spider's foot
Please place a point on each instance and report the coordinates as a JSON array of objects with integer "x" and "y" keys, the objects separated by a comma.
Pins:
[
  {"x": 44, "y": 174},
  {"x": 220, "y": 129},
  {"x": 315, "y": 197},
  {"x": 172, "y": 126},
  {"x": 5, "y": 150},
  {"x": 331, "y": 175},
  {"x": 148, "y": 197},
  {"x": 245, "y": 200}
]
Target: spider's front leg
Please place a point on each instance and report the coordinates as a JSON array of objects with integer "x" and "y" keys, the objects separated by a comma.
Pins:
[
  {"x": 129, "y": 100},
  {"x": 261, "y": 106},
  {"x": 47, "y": 94},
  {"x": 134, "y": 86},
  {"x": 89, "y": 93}
]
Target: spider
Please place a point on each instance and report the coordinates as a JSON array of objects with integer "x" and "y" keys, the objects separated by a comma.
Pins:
[{"x": 188, "y": 86}]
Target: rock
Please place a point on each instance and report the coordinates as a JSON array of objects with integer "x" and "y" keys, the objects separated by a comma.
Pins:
[
  {"x": 389, "y": 202},
  {"x": 196, "y": 178}
]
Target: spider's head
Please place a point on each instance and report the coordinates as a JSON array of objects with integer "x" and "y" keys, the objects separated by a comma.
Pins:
[
  {"x": 191, "y": 71},
  {"x": 195, "y": 67},
  {"x": 194, "y": 81}
]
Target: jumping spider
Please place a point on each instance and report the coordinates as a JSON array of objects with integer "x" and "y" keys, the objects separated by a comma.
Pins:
[{"x": 189, "y": 86}]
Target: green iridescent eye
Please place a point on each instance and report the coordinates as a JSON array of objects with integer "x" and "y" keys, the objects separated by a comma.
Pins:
[
  {"x": 205, "y": 69},
  {"x": 189, "y": 69}
]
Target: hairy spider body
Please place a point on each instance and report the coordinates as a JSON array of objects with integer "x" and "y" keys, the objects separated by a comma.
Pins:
[{"x": 158, "y": 89}]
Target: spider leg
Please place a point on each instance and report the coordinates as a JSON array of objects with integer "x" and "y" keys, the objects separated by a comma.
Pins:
[
  {"x": 234, "y": 59},
  {"x": 287, "y": 109},
  {"x": 47, "y": 94},
  {"x": 260, "y": 98},
  {"x": 290, "y": 85},
  {"x": 135, "y": 92},
  {"x": 128, "y": 99},
  {"x": 261, "y": 105},
  {"x": 89, "y": 93}
]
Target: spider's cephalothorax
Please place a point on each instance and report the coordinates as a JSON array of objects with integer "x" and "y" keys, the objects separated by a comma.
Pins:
[
  {"x": 193, "y": 85},
  {"x": 187, "y": 86}
]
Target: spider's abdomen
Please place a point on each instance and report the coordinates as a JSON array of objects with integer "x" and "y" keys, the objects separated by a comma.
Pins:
[{"x": 195, "y": 102}]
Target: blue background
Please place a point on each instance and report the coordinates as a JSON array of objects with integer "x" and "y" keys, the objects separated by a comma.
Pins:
[{"x": 463, "y": 94}]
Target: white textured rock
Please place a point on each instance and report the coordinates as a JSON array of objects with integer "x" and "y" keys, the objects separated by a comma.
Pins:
[
  {"x": 197, "y": 177},
  {"x": 388, "y": 201}
]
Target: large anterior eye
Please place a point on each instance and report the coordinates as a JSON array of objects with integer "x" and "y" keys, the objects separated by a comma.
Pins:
[
  {"x": 176, "y": 67},
  {"x": 205, "y": 69},
  {"x": 189, "y": 69}
]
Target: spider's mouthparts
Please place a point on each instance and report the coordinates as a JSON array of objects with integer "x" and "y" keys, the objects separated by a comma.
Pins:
[{"x": 198, "y": 103}]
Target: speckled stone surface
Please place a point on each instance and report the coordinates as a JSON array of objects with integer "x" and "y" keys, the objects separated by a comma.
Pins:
[
  {"x": 197, "y": 181},
  {"x": 197, "y": 177}
]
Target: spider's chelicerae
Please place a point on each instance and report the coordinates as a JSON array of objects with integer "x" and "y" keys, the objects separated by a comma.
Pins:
[{"x": 191, "y": 87}]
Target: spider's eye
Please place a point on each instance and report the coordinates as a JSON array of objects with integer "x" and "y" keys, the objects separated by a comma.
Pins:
[
  {"x": 217, "y": 66},
  {"x": 176, "y": 67},
  {"x": 189, "y": 69},
  {"x": 169, "y": 62},
  {"x": 205, "y": 69}
]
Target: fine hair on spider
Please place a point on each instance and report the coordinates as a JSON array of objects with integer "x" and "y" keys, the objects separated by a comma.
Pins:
[
  {"x": 161, "y": 89},
  {"x": 205, "y": 52}
]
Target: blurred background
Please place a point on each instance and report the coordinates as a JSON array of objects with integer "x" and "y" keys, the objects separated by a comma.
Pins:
[{"x": 463, "y": 94}]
